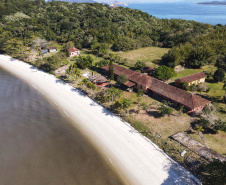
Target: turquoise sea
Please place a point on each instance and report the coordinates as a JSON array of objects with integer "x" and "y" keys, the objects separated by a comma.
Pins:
[{"x": 211, "y": 14}]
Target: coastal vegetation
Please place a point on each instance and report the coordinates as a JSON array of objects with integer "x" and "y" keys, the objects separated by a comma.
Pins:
[
  {"x": 133, "y": 39},
  {"x": 121, "y": 28}
]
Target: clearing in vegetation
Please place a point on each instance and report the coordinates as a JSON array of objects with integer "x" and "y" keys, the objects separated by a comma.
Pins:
[{"x": 148, "y": 55}]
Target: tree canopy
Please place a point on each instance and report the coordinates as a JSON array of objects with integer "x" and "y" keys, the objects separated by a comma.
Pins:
[
  {"x": 164, "y": 73},
  {"x": 199, "y": 51},
  {"x": 96, "y": 25}
]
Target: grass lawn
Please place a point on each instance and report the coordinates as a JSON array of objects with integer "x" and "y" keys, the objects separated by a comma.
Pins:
[
  {"x": 55, "y": 44},
  {"x": 147, "y": 55},
  {"x": 214, "y": 141},
  {"x": 187, "y": 72},
  {"x": 216, "y": 90},
  {"x": 86, "y": 52},
  {"x": 164, "y": 126},
  {"x": 217, "y": 141}
]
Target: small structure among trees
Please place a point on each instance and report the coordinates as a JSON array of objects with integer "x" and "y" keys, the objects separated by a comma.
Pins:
[
  {"x": 73, "y": 52},
  {"x": 52, "y": 49},
  {"x": 150, "y": 85},
  {"x": 196, "y": 78},
  {"x": 99, "y": 80}
]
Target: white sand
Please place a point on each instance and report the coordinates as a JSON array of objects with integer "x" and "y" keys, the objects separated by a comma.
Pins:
[{"x": 134, "y": 157}]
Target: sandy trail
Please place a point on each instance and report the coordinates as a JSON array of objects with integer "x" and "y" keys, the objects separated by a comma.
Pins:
[{"x": 134, "y": 157}]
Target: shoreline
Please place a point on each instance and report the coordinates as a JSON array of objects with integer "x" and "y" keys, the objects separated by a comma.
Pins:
[{"x": 134, "y": 158}]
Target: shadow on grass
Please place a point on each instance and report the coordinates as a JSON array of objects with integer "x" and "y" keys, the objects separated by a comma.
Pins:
[
  {"x": 210, "y": 80},
  {"x": 216, "y": 99},
  {"x": 154, "y": 114},
  {"x": 64, "y": 79}
]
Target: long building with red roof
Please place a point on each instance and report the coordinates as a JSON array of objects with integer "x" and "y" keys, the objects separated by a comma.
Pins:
[
  {"x": 192, "y": 79},
  {"x": 152, "y": 85}
]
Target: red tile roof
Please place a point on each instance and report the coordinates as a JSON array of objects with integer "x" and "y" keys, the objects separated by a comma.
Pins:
[
  {"x": 190, "y": 101},
  {"x": 192, "y": 78},
  {"x": 129, "y": 84},
  {"x": 52, "y": 47},
  {"x": 73, "y": 49},
  {"x": 133, "y": 76}
]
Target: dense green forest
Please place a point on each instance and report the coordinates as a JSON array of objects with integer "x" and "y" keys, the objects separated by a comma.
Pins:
[
  {"x": 100, "y": 26},
  {"x": 88, "y": 24},
  {"x": 205, "y": 49},
  {"x": 27, "y": 25}
]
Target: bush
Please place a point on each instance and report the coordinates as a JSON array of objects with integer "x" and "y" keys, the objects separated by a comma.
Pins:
[
  {"x": 184, "y": 86},
  {"x": 122, "y": 79},
  {"x": 140, "y": 65},
  {"x": 220, "y": 125},
  {"x": 163, "y": 110},
  {"x": 102, "y": 63},
  {"x": 84, "y": 61},
  {"x": 219, "y": 75},
  {"x": 124, "y": 44},
  {"x": 215, "y": 173},
  {"x": 193, "y": 87},
  {"x": 164, "y": 73}
]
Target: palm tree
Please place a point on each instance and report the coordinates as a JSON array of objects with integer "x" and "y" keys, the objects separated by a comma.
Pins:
[
  {"x": 113, "y": 92},
  {"x": 77, "y": 73},
  {"x": 91, "y": 85},
  {"x": 84, "y": 81},
  {"x": 126, "y": 103}
]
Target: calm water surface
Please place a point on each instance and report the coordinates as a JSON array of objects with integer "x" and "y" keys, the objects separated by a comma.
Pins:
[
  {"x": 211, "y": 14},
  {"x": 38, "y": 145}
]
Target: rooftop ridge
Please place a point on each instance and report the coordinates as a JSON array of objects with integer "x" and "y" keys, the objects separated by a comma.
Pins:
[
  {"x": 177, "y": 95},
  {"x": 192, "y": 77}
]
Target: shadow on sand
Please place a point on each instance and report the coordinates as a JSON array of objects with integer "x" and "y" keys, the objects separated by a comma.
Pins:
[{"x": 177, "y": 175}]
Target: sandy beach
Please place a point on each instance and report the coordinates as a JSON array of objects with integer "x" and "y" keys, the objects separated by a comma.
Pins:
[{"x": 136, "y": 159}]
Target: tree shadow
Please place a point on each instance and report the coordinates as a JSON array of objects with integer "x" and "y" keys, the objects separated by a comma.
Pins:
[
  {"x": 216, "y": 99},
  {"x": 154, "y": 114},
  {"x": 12, "y": 59},
  {"x": 60, "y": 81},
  {"x": 107, "y": 112},
  {"x": 178, "y": 175},
  {"x": 80, "y": 92},
  {"x": 64, "y": 79},
  {"x": 210, "y": 80},
  {"x": 222, "y": 110}
]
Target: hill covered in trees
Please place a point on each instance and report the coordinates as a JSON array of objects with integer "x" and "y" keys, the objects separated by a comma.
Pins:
[
  {"x": 205, "y": 49},
  {"x": 77, "y": 1},
  {"x": 87, "y": 24}
]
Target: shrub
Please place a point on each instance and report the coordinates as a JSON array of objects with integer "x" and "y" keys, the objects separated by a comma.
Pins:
[
  {"x": 219, "y": 75},
  {"x": 140, "y": 65},
  {"x": 163, "y": 110},
  {"x": 122, "y": 79},
  {"x": 164, "y": 73}
]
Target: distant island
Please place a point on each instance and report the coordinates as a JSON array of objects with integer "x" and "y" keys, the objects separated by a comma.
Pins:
[{"x": 214, "y": 3}]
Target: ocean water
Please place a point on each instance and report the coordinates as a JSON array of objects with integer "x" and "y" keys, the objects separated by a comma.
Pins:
[
  {"x": 211, "y": 14},
  {"x": 39, "y": 145}
]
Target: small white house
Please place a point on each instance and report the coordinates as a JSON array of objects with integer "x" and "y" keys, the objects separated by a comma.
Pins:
[
  {"x": 73, "y": 52},
  {"x": 52, "y": 49}
]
